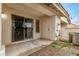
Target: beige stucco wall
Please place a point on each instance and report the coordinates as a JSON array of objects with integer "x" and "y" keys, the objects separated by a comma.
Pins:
[
  {"x": 6, "y": 28},
  {"x": 48, "y": 27},
  {"x": 7, "y": 24}
]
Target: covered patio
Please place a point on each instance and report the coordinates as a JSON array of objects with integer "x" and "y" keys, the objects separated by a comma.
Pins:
[{"x": 32, "y": 46}]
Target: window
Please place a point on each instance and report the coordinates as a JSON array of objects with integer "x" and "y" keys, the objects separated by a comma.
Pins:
[{"x": 37, "y": 26}]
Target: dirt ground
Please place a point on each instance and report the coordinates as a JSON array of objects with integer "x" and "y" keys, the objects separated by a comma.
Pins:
[
  {"x": 50, "y": 51},
  {"x": 58, "y": 49},
  {"x": 47, "y": 51}
]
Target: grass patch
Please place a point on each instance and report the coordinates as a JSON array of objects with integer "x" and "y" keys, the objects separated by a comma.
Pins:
[
  {"x": 60, "y": 44},
  {"x": 63, "y": 40},
  {"x": 65, "y": 44}
]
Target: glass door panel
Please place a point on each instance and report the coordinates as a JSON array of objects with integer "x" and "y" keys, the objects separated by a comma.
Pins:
[
  {"x": 17, "y": 28},
  {"x": 28, "y": 28}
]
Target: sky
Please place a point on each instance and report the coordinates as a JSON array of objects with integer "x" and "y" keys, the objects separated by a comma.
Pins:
[{"x": 73, "y": 10}]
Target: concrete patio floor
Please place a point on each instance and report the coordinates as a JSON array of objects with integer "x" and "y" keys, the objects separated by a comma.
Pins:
[{"x": 27, "y": 46}]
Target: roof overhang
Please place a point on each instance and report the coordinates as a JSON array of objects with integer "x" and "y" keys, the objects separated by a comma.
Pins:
[
  {"x": 59, "y": 10},
  {"x": 64, "y": 20},
  {"x": 62, "y": 10}
]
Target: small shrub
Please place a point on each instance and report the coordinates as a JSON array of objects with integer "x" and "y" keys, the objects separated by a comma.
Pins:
[{"x": 56, "y": 46}]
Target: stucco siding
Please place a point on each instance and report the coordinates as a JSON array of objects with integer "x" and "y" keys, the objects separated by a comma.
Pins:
[
  {"x": 6, "y": 28},
  {"x": 48, "y": 27}
]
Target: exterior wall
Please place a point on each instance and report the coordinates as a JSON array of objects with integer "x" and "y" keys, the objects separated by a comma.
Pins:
[
  {"x": 48, "y": 27},
  {"x": 6, "y": 28},
  {"x": 7, "y": 24}
]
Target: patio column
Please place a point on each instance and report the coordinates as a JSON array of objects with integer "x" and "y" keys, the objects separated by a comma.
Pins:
[
  {"x": 57, "y": 27},
  {"x": 2, "y": 47},
  {"x": 0, "y": 27}
]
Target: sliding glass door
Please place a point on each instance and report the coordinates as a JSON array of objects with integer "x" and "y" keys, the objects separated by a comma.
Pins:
[
  {"x": 22, "y": 28},
  {"x": 28, "y": 28}
]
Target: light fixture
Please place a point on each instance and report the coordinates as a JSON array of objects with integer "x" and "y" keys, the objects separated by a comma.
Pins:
[{"x": 3, "y": 15}]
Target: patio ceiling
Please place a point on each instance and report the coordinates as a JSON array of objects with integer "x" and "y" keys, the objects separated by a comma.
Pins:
[
  {"x": 40, "y": 8},
  {"x": 35, "y": 10},
  {"x": 23, "y": 9}
]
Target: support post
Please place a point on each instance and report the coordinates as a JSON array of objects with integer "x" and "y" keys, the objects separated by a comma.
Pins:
[{"x": 0, "y": 27}]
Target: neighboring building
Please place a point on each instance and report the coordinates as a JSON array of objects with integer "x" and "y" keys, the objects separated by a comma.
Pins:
[
  {"x": 67, "y": 31},
  {"x": 25, "y": 23}
]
